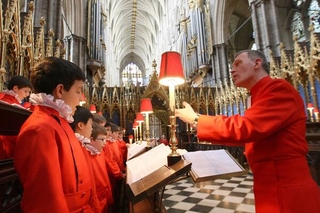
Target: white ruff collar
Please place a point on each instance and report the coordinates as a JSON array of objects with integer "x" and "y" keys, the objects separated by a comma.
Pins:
[
  {"x": 43, "y": 99},
  {"x": 12, "y": 93},
  {"x": 85, "y": 142}
]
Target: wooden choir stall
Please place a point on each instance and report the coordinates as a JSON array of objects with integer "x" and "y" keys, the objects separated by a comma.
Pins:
[{"x": 12, "y": 118}]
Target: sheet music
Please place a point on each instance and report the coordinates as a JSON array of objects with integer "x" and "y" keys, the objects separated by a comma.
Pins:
[
  {"x": 212, "y": 162},
  {"x": 148, "y": 162},
  {"x": 135, "y": 149}
]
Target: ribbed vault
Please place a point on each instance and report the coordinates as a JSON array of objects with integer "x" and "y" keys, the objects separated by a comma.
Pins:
[{"x": 134, "y": 28}]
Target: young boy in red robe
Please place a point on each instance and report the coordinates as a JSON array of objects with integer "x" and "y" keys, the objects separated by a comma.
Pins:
[
  {"x": 104, "y": 190},
  {"x": 51, "y": 163},
  {"x": 115, "y": 165},
  {"x": 122, "y": 145},
  {"x": 18, "y": 89},
  {"x": 92, "y": 137},
  {"x": 273, "y": 130}
]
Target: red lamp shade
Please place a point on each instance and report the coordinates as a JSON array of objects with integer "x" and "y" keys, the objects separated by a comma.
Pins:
[
  {"x": 92, "y": 108},
  {"x": 171, "y": 71},
  {"x": 146, "y": 106},
  {"x": 139, "y": 117},
  {"x": 135, "y": 124},
  {"x": 310, "y": 106}
]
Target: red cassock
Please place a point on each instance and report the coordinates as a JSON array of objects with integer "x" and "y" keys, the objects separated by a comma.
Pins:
[
  {"x": 102, "y": 181},
  {"x": 7, "y": 142},
  {"x": 10, "y": 99},
  {"x": 273, "y": 130},
  {"x": 52, "y": 166},
  {"x": 114, "y": 171},
  {"x": 123, "y": 150}
]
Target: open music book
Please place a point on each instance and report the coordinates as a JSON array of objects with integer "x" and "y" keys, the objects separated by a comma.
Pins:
[
  {"x": 213, "y": 164},
  {"x": 148, "y": 162},
  {"x": 135, "y": 149}
]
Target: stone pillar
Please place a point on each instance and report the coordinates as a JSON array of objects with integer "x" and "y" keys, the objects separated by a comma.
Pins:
[{"x": 265, "y": 26}]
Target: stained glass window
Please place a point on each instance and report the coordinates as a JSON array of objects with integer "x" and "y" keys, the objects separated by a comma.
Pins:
[
  {"x": 131, "y": 74},
  {"x": 297, "y": 28},
  {"x": 314, "y": 15},
  {"x": 298, "y": 2}
]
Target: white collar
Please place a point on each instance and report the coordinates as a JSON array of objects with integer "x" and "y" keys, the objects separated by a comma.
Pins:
[
  {"x": 43, "y": 99},
  {"x": 85, "y": 142}
]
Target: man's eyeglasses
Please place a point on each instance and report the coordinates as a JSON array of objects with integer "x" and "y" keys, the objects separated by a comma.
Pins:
[{"x": 101, "y": 139}]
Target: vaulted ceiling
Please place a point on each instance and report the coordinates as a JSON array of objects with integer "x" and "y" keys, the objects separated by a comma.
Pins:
[{"x": 134, "y": 28}]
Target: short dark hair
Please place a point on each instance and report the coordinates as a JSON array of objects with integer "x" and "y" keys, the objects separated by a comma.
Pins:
[
  {"x": 114, "y": 128},
  {"x": 51, "y": 72},
  {"x": 255, "y": 54},
  {"x": 99, "y": 118},
  {"x": 20, "y": 82},
  {"x": 81, "y": 114},
  {"x": 97, "y": 129}
]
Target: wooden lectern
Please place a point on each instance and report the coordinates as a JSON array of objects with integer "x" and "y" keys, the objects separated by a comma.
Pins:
[{"x": 143, "y": 195}]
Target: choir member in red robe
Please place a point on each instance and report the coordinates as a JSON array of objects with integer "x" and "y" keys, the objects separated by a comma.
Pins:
[
  {"x": 92, "y": 137},
  {"x": 17, "y": 90},
  {"x": 104, "y": 190},
  {"x": 49, "y": 159},
  {"x": 273, "y": 130},
  {"x": 122, "y": 145}
]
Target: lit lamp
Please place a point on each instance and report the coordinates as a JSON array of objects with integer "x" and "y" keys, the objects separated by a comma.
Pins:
[
  {"x": 146, "y": 108},
  {"x": 316, "y": 114},
  {"x": 310, "y": 109},
  {"x": 135, "y": 126},
  {"x": 140, "y": 120},
  {"x": 130, "y": 139},
  {"x": 171, "y": 75},
  {"x": 92, "y": 108},
  {"x": 82, "y": 100}
]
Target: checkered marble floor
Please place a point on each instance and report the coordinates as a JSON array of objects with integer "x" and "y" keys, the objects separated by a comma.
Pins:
[{"x": 232, "y": 195}]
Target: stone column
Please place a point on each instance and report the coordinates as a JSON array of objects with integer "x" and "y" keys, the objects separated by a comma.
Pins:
[{"x": 265, "y": 26}]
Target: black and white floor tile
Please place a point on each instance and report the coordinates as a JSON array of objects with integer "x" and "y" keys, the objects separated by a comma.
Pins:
[{"x": 232, "y": 195}]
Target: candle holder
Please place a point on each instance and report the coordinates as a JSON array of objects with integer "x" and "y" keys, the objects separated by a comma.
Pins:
[
  {"x": 140, "y": 120},
  {"x": 130, "y": 139},
  {"x": 146, "y": 109},
  {"x": 316, "y": 114},
  {"x": 171, "y": 75},
  {"x": 135, "y": 130},
  {"x": 310, "y": 110}
]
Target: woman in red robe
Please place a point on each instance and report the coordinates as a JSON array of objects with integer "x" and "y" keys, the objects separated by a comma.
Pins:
[{"x": 273, "y": 130}]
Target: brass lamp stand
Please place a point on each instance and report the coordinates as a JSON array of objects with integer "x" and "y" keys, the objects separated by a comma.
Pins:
[{"x": 171, "y": 74}]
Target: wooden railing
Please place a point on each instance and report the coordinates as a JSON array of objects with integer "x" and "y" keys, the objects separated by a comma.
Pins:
[{"x": 12, "y": 117}]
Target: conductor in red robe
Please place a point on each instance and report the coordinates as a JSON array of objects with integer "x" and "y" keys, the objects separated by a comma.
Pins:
[{"x": 273, "y": 130}]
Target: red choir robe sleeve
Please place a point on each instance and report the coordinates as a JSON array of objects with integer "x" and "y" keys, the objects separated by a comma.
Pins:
[{"x": 52, "y": 167}]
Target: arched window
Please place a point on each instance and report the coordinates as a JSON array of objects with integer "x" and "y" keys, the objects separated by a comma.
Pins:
[
  {"x": 314, "y": 15},
  {"x": 131, "y": 74},
  {"x": 298, "y": 3},
  {"x": 297, "y": 28}
]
